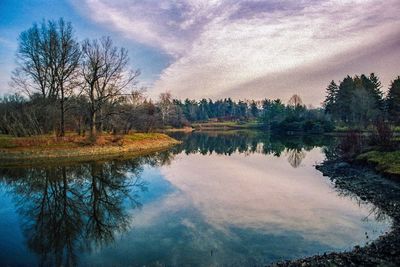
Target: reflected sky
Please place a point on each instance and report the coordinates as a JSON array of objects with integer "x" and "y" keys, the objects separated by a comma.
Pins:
[
  {"x": 215, "y": 200},
  {"x": 266, "y": 193}
]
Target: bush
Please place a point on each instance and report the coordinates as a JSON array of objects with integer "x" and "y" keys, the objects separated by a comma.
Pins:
[
  {"x": 291, "y": 126},
  {"x": 351, "y": 145},
  {"x": 314, "y": 127},
  {"x": 328, "y": 126},
  {"x": 382, "y": 135}
]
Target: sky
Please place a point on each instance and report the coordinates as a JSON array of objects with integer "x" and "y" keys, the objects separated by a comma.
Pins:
[{"x": 244, "y": 49}]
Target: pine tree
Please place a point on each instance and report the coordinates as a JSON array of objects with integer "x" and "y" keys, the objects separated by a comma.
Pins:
[
  {"x": 344, "y": 99},
  {"x": 373, "y": 86},
  {"x": 330, "y": 100},
  {"x": 254, "y": 109},
  {"x": 393, "y": 101},
  {"x": 364, "y": 108},
  {"x": 203, "y": 110}
]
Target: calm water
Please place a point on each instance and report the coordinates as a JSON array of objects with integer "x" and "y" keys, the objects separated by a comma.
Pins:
[{"x": 217, "y": 199}]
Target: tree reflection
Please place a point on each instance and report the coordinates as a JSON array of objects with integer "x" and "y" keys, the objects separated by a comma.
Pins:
[
  {"x": 295, "y": 157},
  {"x": 66, "y": 210},
  {"x": 294, "y": 147},
  {"x": 69, "y": 209}
]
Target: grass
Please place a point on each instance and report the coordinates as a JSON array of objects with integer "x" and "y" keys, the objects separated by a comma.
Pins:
[
  {"x": 142, "y": 136},
  {"x": 16, "y": 150},
  {"x": 385, "y": 162}
]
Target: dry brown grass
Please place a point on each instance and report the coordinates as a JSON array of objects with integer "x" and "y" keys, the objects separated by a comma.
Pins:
[{"x": 15, "y": 149}]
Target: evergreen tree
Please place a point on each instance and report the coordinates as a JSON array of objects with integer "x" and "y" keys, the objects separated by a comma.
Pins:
[
  {"x": 330, "y": 100},
  {"x": 363, "y": 105},
  {"x": 344, "y": 99},
  {"x": 393, "y": 101},
  {"x": 229, "y": 108},
  {"x": 211, "y": 109},
  {"x": 273, "y": 112},
  {"x": 254, "y": 109},
  {"x": 203, "y": 110},
  {"x": 373, "y": 86},
  {"x": 242, "y": 109}
]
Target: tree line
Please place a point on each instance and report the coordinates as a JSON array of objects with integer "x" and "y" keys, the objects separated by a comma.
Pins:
[
  {"x": 89, "y": 87},
  {"x": 359, "y": 101}
]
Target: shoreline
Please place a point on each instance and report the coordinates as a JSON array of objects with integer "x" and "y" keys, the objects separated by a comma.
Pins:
[
  {"x": 385, "y": 162},
  {"x": 367, "y": 185},
  {"x": 128, "y": 146}
]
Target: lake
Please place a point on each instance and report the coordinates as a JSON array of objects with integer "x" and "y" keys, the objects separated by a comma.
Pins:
[{"x": 218, "y": 199}]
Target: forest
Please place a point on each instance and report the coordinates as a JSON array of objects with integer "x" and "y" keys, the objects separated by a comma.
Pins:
[{"x": 63, "y": 85}]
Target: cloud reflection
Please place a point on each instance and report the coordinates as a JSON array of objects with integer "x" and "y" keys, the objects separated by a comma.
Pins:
[{"x": 266, "y": 193}]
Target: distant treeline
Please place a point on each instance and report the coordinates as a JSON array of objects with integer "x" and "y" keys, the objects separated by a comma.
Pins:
[
  {"x": 271, "y": 114},
  {"x": 27, "y": 116}
]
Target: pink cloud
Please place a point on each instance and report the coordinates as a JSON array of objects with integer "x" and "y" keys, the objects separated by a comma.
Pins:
[{"x": 221, "y": 46}]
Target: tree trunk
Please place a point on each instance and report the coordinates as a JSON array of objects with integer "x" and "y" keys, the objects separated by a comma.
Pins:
[
  {"x": 92, "y": 124},
  {"x": 100, "y": 129},
  {"x": 62, "y": 113},
  {"x": 78, "y": 126}
]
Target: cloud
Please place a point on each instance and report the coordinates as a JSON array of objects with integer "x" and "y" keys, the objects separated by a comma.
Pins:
[{"x": 219, "y": 46}]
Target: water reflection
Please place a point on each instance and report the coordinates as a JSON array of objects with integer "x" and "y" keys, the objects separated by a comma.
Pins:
[
  {"x": 216, "y": 199},
  {"x": 295, "y": 157},
  {"x": 65, "y": 210},
  {"x": 242, "y": 142}
]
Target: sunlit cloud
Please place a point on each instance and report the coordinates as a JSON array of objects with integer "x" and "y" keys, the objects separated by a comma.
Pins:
[{"x": 245, "y": 48}]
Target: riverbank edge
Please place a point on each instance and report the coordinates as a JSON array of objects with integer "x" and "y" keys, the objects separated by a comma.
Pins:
[
  {"x": 28, "y": 157},
  {"x": 368, "y": 186},
  {"x": 384, "y": 162}
]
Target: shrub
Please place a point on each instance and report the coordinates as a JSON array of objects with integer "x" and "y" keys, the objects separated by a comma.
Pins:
[
  {"x": 382, "y": 135},
  {"x": 351, "y": 145},
  {"x": 328, "y": 126}
]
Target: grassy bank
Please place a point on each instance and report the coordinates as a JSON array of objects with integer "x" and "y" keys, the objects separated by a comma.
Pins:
[
  {"x": 26, "y": 150},
  {"x": 386, "y": 162}
]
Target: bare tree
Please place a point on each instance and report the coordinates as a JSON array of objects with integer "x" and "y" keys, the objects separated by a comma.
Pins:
[
  {"x": 295, "y": 101},
  {"x": 104, "y": 68},
  {"x": 66, "y": 65},
  {"x": 48, "y": 58},
  {"x": 33, "y": 69},
  {"x": 165, "y": 105},
  {"x": 131, "y": 109}
]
